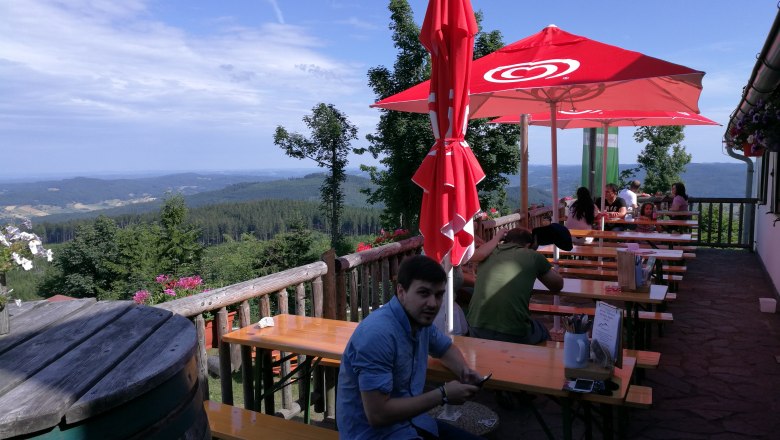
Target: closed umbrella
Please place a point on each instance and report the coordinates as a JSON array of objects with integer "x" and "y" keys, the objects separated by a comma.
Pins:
[{"x": 450, "y": 172}]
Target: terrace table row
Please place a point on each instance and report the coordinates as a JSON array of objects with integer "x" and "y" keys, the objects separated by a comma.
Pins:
[{"x": 515, "y": 367}]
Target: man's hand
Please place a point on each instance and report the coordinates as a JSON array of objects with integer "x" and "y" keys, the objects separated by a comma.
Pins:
[
  {"x": 458, "y": 393},
  {"x": 470, "y": 376}
]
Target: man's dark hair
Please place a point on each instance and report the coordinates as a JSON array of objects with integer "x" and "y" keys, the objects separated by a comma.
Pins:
[
  {"x": 420, "y": 267},
  {"x": 519, "y": 236},
  {"x": 612, "y": 187}
]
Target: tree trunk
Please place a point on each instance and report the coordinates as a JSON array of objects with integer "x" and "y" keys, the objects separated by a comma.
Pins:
[{"x": 5, "y": 319}]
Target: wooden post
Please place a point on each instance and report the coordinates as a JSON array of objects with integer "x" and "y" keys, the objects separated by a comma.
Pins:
[
  {"x": 281, "y": 300},
  {"x": 225, "y": 371},
  {"x": 201, "y": 356},
  {"x": 329, "y": 285},
  {"x": 246, "y": 359}
]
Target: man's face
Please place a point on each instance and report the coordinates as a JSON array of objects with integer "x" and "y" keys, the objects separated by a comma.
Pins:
[
  {"x": 421, "y": 301},
  {"x": 610, "y": 195}
]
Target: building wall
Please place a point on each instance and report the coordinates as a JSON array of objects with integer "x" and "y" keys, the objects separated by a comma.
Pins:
[{"x": 767, "y": 234}]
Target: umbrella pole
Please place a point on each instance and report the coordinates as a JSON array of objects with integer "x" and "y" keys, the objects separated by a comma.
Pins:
[
  {"x": 449, "y": 300},
  {"x": 524, "y": 169},
  {"x": 556, "y": 210},
  {"x": 604, "y": 172}
]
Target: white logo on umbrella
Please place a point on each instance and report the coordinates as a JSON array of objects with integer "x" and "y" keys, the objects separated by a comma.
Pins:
[
  {"x": 578, "y": 112},
  {"x": 517, "y": 72}
]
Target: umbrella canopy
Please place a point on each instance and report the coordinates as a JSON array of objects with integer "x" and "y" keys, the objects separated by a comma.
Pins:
[
  {"x": 556, "y": 66},
  {"x": 554, "y": 69},
  {"x": 606, "y": 119},
  {"x": 450, "y": 172},
  {"x": 613, "y": 118}
]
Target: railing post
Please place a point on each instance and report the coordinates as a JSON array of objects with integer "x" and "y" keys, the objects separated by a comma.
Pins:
[
  {"x": 329, "y": 285},
  {"x": 287, "y": 401},
  {"x": 225, "y": 370},
  {"x": 201, "y": 356},
  {"x": 244, "y": 317}
]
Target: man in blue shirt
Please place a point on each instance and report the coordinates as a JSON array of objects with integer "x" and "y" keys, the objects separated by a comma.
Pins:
[{"x": 382, "y": 376}]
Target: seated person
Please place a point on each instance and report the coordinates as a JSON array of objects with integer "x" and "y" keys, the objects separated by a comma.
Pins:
[
  {"x": 582, "y": 214},
  {"x": 614, "y": 207},
  {"x": 382, "y": 375},
  {"x": 508, "y": 267},
  {"x": 647, "y": 212},
  {"x": 679, "y": 203}
]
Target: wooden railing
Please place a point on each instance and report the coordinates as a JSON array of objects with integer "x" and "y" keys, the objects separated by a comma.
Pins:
[
  {"x": 724, "y": 222},
  {"x": 487, "y": 229}
]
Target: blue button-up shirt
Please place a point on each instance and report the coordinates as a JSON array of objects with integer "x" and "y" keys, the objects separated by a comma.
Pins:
[{"x": 384, "y": 355}]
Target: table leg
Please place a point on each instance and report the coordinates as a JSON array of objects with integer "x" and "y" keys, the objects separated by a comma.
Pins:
[
  {"x": 306, "y": 385},
  {"x": 268, "y": 382},
  {"x": 567, "y": 417}
]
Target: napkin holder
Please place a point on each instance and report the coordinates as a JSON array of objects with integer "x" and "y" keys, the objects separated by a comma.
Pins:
[{"x": 632, "y": 276}]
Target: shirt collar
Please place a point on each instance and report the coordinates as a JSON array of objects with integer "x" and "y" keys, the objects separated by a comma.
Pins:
[{"x": 400, "y": 314}]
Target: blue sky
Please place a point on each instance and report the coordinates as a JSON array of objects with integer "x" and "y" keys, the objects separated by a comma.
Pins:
[{"x": 99, "y": 86}]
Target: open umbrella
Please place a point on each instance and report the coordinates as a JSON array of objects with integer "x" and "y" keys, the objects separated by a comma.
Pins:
[
  {"x": 554, "y": 69},
  {"x": 450, "y": 172},
  {"x": 606, "y": 119}
]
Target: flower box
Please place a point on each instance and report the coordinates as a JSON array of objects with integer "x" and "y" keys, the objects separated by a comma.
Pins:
[{"x": 212, "y": 332}]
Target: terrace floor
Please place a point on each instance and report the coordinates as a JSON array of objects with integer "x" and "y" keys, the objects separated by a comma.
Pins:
[{"x": 719, "y": 376}]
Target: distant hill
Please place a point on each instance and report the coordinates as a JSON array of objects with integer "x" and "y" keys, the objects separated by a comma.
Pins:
[
  {"x": 83, "y": 197},
  {"x": 306, "y": 188}
]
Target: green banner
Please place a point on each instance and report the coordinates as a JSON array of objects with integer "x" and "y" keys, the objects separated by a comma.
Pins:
[{"x": 594, "y": 156}]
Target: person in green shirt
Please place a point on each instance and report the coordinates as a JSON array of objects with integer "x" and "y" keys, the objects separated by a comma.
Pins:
[{"x": 508, "y": 267}]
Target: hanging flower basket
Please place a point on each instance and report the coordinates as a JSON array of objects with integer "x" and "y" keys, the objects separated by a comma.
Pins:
[{"x": 753, "y": 150}]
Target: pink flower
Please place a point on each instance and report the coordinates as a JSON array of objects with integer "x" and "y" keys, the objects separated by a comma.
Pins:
[
  {"x": 161, "y": 279},
  {"x": 141, "y": 296},
  {"x": 170, "y": 292},
  {"x": 189, "y": 283},
  {"x": 363, "y": 247}
]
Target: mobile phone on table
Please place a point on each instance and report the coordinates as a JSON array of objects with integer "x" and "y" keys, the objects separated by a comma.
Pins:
[
  {"x": 484, "y": 379},
  {"x": 583, "y": 386}
]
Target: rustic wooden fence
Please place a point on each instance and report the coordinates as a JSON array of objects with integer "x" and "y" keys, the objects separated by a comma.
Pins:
[{"x": 345, "y": 288}]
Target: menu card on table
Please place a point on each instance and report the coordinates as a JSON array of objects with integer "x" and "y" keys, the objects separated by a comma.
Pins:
[{"x": 608, "y": 331}]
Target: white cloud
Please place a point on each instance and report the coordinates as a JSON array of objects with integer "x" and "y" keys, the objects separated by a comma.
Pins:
[{"x": 89, "y": 61}]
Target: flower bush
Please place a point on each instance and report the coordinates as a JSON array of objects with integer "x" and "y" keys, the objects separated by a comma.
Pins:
[
  {"x": 759, "y": 129},
  {"x": 168, "y": 287},
  {"x": 19, "y": 248},
  {"x": 384, "y": 237},
  {"x": 489, "y": 214}
]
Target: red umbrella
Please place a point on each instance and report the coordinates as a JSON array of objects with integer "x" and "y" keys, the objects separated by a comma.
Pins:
[
  {"x": 606, "y": 119},
  {"x": 450, "y": 172},
  {"x": 554, "y": 69}
]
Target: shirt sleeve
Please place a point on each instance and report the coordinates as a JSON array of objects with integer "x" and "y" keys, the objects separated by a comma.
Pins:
[
  {"x": 372, "y": 358},
  {"x": 438, "y": 343},
  {"x": 542, "y": 265}
]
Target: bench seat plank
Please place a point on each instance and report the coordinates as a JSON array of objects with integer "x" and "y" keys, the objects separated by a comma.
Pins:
[{"x": 232, "y": 423}]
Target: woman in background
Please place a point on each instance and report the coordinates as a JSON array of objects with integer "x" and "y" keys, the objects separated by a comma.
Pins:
[
  {"x": 679, "y": 197},
  {"x": 582, "y": 214},
  {"x": 679, "y": 203}
]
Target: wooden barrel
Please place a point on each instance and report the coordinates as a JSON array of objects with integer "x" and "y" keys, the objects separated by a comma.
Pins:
[{"x": 133, "y": 376}]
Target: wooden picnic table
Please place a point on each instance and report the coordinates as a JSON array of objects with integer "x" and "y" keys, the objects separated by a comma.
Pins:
[
  {"x": 679, "y": 213},
  {"x": 611, "y": 252},
  {"x": 599, "y": 290},
  {"x": 93, "y": 370},
  {"x": 659, "y": 222},
  {"x": 515, "y": 367},
  {"x": 632, "y": 236}
]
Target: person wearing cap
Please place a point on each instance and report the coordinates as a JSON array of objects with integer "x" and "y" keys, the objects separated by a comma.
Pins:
[{"x": 508, "y": 267}]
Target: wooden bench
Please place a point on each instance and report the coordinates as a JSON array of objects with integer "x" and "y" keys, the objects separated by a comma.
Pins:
[
  {"x": 608, "y": 274},
  {"x": 232, "y": 423},
  {"x": 560, "y": 310},
  {"x": 639, "y": 396},
  {"x": 666, "y": 268}
]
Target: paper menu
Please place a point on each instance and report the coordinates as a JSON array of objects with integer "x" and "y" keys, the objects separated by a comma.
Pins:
[{"x": 608, "y": 330}]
